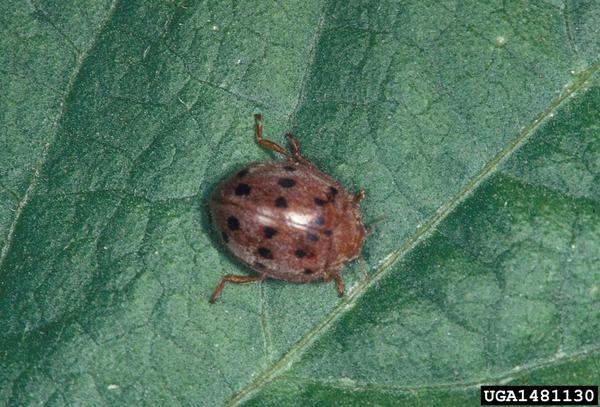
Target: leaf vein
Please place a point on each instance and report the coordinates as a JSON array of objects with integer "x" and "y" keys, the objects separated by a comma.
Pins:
[
  {"x": 539, "y": 364},
  {"x": 52, "y": 136}
]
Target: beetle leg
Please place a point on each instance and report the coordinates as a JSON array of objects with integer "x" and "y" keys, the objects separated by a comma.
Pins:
[
  {"x": 271, "y": 145},
  {"x": 296, "y": 149},
  {"x": 339, "y": 283},
  {"x": 230, "y": 278},
  {"x": 359, "y": 196},
  {"x": 363, "y": 267}
]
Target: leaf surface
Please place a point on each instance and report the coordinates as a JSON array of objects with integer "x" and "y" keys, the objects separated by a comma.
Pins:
[{"x": 473, "y": 128}]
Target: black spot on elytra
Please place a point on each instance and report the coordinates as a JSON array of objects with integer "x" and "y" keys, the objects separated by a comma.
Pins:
[
  {"x": 308, "y": 271},
  {"x": 281, "y": 202},
  {"x": 242, "y": 189},
  {"x": 320, "y": 220},
  {"x": 312, "y": 237},
  {"x": 332, "y": 193},
  {"x": 259, "y": 265},
  {"x": 320, "y": 202},
  {"x": 287, "y": 182},
  {"x": 289, "y": 168},
  {"x": 270, "y": 232},
  {"x": 300, "y": 253},
  {"x": 265, "y": 253},
  {"x": 328, "y": 232},
  {"x": 225, "y": 237},
  {"x": 233, "y": 223},
  {"x": 242, "y": 173}
]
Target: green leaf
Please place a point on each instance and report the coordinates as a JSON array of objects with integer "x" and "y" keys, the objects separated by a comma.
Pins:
[{"x": 473, "y": 127}]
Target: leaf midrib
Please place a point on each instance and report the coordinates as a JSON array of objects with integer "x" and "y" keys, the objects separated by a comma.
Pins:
[
  {"x": 270, "y": 373},
  {"x": 52, "y": 133},
  {"x": 456, "y": 386}
]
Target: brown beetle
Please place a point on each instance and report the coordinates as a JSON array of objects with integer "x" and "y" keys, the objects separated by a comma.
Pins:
[{"x": 287, "y": 219}]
